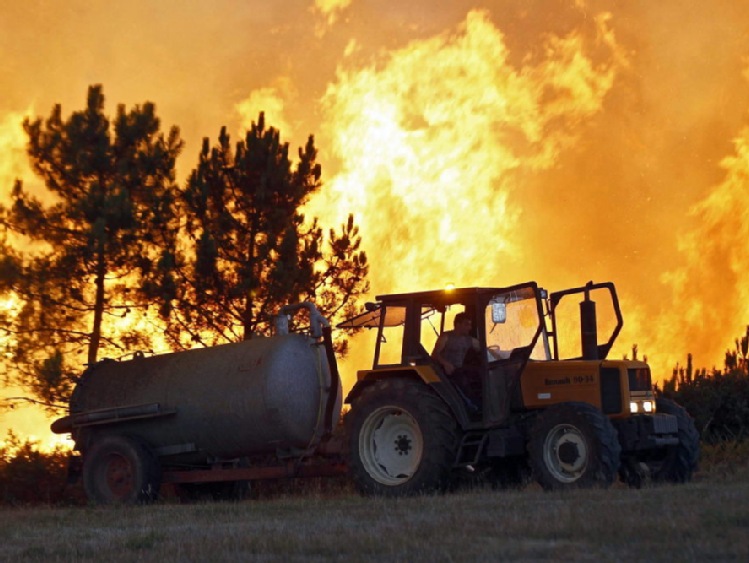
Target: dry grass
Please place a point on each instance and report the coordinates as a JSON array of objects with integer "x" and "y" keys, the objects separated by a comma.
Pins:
[{"x": 705, "y": 520}]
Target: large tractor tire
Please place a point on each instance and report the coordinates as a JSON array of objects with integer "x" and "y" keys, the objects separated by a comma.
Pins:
[
  {"x": 680, "y": 461},
  {"x": 573, "y": 445},
  {"x": 120, "y": 470},
  {"x": 402, "y": 439}
]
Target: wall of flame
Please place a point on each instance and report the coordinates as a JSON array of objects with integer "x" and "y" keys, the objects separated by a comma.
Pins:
[{"x": 477, "y": 142}]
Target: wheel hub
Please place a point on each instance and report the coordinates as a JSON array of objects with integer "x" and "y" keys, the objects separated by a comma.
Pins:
[
  {"x": 566, "y": 453},
  {"x": 119, "y": 476},
  {"x": 403, "y": 445}
]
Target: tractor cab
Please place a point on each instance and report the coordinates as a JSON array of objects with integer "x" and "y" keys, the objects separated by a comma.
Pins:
[
  {"x": 513, "y": 326},
  {"x": 508, "y": 324}
]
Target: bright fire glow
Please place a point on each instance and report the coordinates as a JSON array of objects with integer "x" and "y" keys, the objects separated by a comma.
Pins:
[
  {"x": 481, "y": 143},
  {"x": 434, "y": 140},
  {"x": 13, "y": 162}
]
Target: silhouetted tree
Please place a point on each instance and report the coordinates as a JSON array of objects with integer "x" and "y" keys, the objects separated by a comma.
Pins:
[
  {"x": 251, "y": 249},
  {"x": 76, "y": 258}
]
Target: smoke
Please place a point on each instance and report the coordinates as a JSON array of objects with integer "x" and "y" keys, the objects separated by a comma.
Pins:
[
  {"x": 478, "y": 143},
  {"x": 271, "y": 103}
]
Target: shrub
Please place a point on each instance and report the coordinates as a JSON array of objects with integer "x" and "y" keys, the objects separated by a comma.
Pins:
[
  {"x": 717, "y": 400},
  {"x": 31, "y": 476}
]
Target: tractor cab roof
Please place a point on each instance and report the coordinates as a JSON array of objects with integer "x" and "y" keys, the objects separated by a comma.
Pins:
[
  {"x": 459, "y": 295},
  {"x": 438, "y": 299}
]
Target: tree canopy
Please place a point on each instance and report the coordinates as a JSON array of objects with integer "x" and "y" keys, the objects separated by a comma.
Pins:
[
  {"x": 113, "y": 239},
  {"x": 250, "y": 248},
  {"x": 77, "y": 259}
]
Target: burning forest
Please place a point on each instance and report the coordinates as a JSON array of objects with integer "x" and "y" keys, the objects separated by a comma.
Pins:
[{"x": 480, "y": 143}]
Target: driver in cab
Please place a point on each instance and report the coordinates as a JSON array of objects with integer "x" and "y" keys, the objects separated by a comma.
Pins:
[
  {"x": 450, "y": 352},
  {"x": 453, "y": 345}
]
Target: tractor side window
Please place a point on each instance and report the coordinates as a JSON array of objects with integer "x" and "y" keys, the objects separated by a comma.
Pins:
[
  {"x": 429, "y": 332},
  {"x": 440, "y": 323},
  {"x": 517, "y": 331},
  {"x": 391, "y": 337}
]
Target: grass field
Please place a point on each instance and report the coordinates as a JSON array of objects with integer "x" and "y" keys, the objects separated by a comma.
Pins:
[{"x": 707, "y": 519}]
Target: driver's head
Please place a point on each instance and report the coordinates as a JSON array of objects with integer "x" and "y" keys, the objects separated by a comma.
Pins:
[{"x": 463, "y": 323}]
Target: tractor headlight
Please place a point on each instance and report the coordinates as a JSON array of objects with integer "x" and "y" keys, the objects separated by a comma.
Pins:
[{"x": 647, "y": 406}]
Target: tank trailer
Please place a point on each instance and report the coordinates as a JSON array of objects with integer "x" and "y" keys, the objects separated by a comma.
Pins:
[
  {"x": 519, "y": 406},
  {"x": 207, "y": 420}
]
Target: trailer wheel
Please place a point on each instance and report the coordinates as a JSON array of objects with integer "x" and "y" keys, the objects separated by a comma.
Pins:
[
  {"x": 402, "y": 439},
  {"x": 120, "y": 470},
  {"x": 573, "y": 445},
  {"x": 680, "y": 461}
]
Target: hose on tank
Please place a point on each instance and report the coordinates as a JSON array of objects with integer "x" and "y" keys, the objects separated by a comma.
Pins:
[{"x": 316, "y": 320}]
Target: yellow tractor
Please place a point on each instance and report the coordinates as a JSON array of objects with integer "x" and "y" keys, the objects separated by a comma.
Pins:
[{"x": 534, "y": 395}]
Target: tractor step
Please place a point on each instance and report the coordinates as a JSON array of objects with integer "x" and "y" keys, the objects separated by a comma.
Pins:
[{"x": 470, "y": 449}]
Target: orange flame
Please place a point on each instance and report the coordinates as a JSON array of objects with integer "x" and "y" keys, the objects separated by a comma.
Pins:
[
  {"x": 710, "y": 289},
  {"x": 482, "y": 147},
  {"x": 434, "y": 139}
]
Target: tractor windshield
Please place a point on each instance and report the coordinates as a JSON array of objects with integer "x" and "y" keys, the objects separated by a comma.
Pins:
[{"x": 511, "y": 321}]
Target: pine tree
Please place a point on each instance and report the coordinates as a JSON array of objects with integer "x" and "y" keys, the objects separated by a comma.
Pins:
[
  {"x": 79, "y": 264},
  {"x": 251, "y": 249}
]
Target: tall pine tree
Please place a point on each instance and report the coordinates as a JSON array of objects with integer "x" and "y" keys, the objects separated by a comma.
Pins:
[
  {"x": 77, "y": 266},
  {"x": 251, "y": 250}
]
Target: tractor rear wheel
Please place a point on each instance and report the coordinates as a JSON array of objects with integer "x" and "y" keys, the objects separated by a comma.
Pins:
[
  {"x": 573, "y": 445},
  {"x": 402, "y": 439},
  {"x": 120, "y": 470}
]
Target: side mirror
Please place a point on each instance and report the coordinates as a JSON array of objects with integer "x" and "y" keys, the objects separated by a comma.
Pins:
[{"x": 499, "y": 313}]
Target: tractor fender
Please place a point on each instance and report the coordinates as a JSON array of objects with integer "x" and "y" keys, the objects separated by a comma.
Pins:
[{"x": 444, "y": 391}]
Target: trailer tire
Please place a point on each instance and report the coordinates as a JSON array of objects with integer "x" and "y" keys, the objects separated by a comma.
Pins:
[
  {"x": 401, "y": 439},
  {"x": 680, "y": 461},
  {"x": 120, "y": 470},
  {"x": 573, "y": 445}
]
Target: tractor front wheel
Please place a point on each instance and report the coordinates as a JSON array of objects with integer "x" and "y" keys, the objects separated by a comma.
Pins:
[
  {"x": 680, "y": 461},
  {"x": 573, "y": 445}
]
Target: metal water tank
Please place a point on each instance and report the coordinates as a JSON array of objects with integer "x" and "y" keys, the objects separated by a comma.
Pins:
[{"x": 264, "y": 395}]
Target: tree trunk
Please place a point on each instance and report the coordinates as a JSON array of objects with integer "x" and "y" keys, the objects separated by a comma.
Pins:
[
  {"x": 248, "y": 316},
  {"x": 93, "y": 345},
  {"x": 248, "y": 319}
]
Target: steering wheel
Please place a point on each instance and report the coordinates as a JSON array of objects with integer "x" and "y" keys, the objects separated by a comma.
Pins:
[{"x": 494, "y": 351}]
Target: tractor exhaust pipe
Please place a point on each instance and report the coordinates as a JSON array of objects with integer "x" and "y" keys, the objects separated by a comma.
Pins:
[{"x": 588, "y": 326}]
